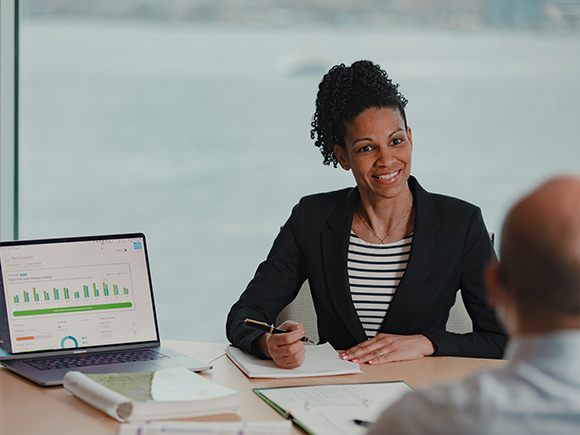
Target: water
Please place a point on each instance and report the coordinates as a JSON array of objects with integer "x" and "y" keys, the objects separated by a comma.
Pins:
[{"x": 199, "y": 135}]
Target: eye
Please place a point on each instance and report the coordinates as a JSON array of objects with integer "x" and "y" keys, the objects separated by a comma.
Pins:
[
  {"x": 364, "y": 148},
  {"x": 397, "y": 141}
]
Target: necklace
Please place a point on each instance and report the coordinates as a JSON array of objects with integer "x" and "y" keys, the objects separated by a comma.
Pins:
[{"x": 392, "y": 229}]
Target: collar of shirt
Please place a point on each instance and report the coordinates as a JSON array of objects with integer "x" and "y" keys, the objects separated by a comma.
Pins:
[{"x": 553, "y": 353}]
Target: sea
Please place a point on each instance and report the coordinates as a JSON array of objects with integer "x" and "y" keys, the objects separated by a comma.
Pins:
[{"x": 198, "y": 135}]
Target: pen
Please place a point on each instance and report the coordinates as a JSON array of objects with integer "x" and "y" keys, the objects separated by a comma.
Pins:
[
  {"x": 363, "y": 423},
  {"x": 271, "y": 329}
]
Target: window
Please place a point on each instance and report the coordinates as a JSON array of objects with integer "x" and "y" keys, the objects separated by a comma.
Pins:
[
  {"x": 190, "y": 121},
  {"x": 8, "y": 91}
]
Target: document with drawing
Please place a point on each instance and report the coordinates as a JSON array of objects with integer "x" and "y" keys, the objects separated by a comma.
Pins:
[{"x": 160, "y": 394}]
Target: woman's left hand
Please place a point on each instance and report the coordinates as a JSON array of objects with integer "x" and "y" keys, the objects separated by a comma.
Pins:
[{"x": 385, "y": 348}]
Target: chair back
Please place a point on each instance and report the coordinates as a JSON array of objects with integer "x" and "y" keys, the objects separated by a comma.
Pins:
[{"x": 301, "y": 310}]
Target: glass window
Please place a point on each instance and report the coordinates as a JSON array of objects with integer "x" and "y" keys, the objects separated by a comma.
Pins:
[
  {"x": 190, "y": 121},
  {"x": 8, "y": 93}
]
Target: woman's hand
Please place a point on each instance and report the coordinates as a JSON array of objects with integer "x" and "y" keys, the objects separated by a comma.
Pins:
[
  {"x": 286, "y": 350},
  {"x": 388, "y": 348}
]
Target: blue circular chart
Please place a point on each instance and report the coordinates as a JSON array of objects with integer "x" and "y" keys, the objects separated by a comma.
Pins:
[{"x": 68, "y": 342}]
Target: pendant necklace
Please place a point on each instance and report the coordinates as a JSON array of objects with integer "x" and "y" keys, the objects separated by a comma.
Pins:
[{"x": 390, "y": 232}]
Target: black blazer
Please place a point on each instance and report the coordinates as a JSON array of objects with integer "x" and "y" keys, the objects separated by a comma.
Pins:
[{"x": 450, "y": 248}]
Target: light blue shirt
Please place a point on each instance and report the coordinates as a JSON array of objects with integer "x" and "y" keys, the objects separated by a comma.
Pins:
[{"x": 537, "y": 392}]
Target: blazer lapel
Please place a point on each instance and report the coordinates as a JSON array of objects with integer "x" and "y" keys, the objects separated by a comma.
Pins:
[
  {"x": 418, "y": 269},
  {"x": 334, "y": 252}
]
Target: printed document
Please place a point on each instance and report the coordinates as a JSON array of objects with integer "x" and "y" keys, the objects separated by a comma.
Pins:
[{"x": 332, "y": 409}]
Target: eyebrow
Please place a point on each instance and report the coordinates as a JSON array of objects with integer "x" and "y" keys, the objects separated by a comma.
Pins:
[{"x": 363, "y": 139}]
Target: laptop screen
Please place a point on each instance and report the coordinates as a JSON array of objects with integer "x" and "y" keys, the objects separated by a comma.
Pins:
[{"x": 75, "y": 293}]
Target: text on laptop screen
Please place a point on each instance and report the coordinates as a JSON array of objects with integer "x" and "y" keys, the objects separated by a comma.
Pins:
[{"x": 77, "y": 294}]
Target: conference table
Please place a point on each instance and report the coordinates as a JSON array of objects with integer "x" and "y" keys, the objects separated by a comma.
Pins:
[{"x": 29, "y": 409}]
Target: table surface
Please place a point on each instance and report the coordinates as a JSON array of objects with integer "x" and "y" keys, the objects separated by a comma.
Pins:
[{"x": 26, "y": 408}]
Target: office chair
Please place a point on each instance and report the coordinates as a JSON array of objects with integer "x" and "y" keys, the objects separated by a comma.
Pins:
[{"x": 301, "y": 310}]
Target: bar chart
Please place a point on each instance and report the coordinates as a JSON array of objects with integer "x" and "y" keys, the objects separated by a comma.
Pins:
[
  {"x": 94, "y": 287},
  {"x": 56, "y": 294}
]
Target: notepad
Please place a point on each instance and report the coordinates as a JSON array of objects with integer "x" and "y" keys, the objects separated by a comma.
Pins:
[
  {"x": 321, "y": 360},
  {"x": 332, "y": 409}
]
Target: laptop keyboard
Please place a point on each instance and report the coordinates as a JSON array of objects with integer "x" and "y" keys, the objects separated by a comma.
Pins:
[{"x": 70, "y": 362}]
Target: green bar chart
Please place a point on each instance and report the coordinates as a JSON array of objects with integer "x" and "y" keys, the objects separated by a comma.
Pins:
[{"x": 73, "y": 289}]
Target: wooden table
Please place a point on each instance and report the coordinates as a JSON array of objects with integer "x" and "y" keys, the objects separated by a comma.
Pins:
[{"x": 28, "y": 409}]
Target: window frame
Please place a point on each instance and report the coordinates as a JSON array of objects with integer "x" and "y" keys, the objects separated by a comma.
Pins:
[{"x": 9, "y": 119}]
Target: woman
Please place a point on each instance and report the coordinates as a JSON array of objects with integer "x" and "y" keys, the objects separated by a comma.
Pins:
[{"x": 384, "y": 259}]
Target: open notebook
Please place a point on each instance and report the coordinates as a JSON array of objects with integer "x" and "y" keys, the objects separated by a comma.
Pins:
[{"x": 80, "y": 303}]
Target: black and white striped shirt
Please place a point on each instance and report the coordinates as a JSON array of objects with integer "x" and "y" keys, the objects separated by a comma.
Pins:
[{"x": 374, "y": 272}]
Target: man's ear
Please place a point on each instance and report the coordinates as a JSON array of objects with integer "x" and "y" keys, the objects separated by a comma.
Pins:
[
  {"x": 341, "y": 157},
  {"x": 493, "y": 284},
  {"x": 500, "y": 298}
]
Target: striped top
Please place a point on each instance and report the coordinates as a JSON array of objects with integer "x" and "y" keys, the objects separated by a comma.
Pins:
[{"x": 374, "y": 272}]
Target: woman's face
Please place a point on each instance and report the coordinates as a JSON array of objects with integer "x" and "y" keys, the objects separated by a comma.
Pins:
[{"x": 378, "y": 151}]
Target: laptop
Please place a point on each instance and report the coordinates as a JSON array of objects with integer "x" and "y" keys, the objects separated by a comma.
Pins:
[{"x": 80, "y": 303}]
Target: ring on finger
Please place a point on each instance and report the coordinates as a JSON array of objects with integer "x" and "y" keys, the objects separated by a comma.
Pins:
[{"x": 379, "y": 353}]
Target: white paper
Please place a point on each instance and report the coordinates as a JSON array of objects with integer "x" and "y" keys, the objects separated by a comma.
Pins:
[
  {"x": 321, "y": 360},
  {"x": 96, "y": 395},
  {"x": 162, "y": 394},
  {"x": 332, "y": 409},
  {"x": 282, "y": 427}
]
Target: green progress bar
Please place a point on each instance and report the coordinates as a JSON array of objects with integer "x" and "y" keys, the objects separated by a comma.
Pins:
[{"x": 72, "y": 309}]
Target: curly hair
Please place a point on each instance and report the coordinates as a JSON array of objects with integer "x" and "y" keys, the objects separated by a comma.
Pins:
[{"x": 343, "y": 94}]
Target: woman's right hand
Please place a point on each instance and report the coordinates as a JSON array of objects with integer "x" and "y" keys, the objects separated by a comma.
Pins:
[{"x": 286, "y": 350}]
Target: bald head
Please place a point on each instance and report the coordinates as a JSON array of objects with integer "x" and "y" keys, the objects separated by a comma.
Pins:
[{"x": 540, "y": 250}]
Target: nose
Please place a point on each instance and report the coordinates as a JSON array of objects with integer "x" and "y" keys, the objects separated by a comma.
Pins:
[{"x": 385, "y": 156}]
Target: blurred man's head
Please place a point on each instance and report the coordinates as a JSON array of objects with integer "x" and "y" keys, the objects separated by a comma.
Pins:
[{"x": 536, "y": 286}]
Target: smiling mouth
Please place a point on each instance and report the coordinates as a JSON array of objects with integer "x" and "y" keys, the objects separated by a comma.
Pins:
[{"x": 391, "y": 176}]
